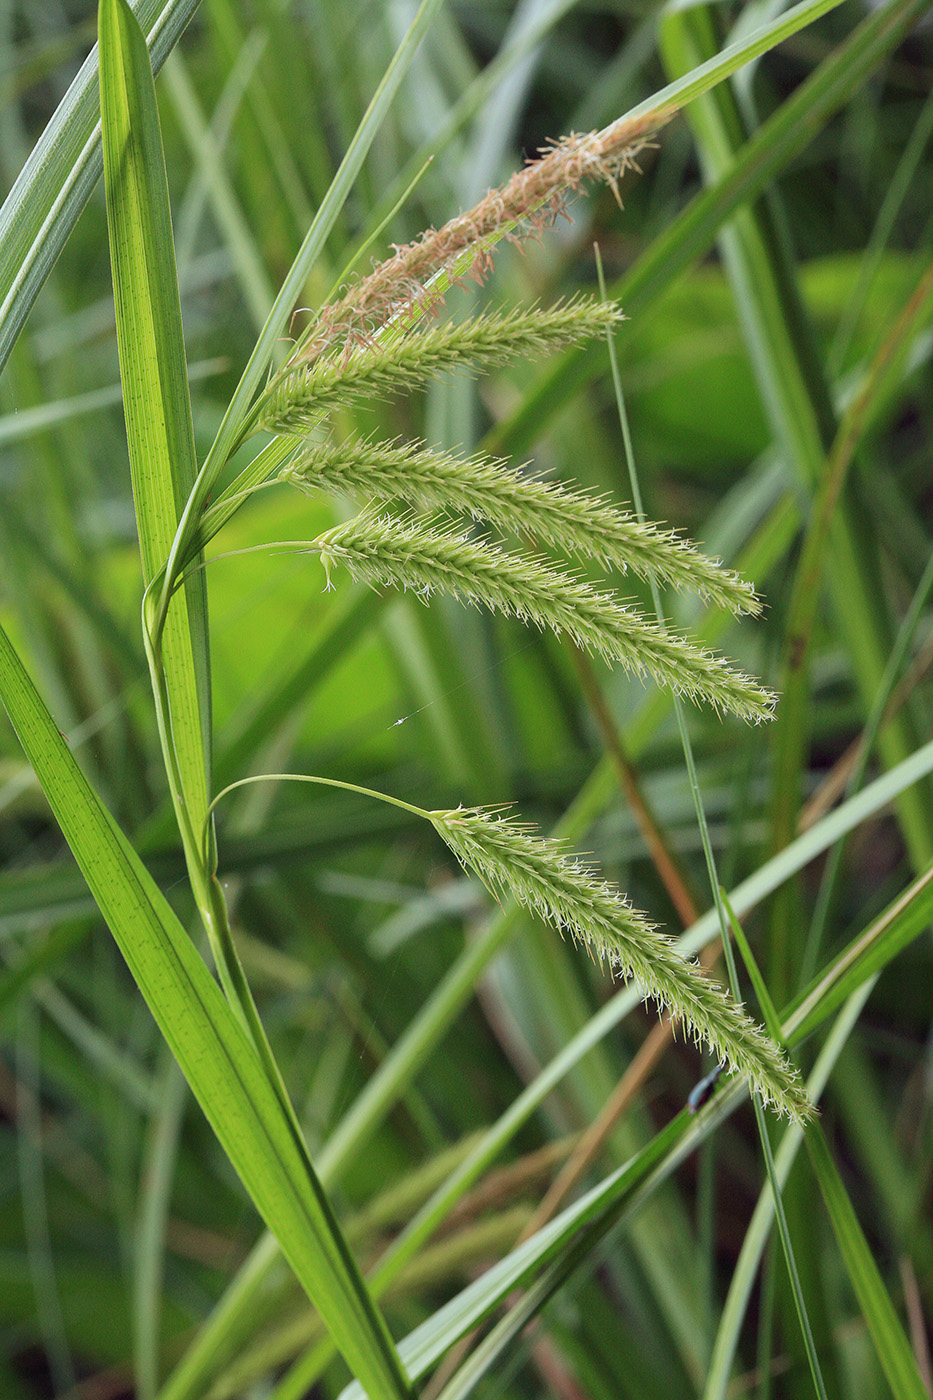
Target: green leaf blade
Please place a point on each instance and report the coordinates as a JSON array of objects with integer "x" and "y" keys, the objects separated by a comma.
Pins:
[
  {"x": 891, "y": 1344},
  {"x": 205, "y": 1037},
  {"x": 160, "y": 434},
  {"x": 62, "y": 169}
]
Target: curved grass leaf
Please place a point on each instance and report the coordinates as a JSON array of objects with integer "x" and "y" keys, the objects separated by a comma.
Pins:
[{"x": 218, "y": 1060}]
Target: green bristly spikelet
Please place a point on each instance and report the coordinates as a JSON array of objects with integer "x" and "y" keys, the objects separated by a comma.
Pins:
[
  {"x": 409, "y": 554},
  {"x": 565, "y": 892},
  {"x": 489, "y": 489},
  {"x": 393, "y": 362}
]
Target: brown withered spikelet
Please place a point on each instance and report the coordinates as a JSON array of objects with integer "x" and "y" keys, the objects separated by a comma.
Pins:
[{"x": 532, "y": 199}]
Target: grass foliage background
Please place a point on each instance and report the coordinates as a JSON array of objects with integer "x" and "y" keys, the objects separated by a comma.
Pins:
[{"x": 778, "y": 388}]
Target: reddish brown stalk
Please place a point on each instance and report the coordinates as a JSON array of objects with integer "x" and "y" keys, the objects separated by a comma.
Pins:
[{"x": 530, "y": 201}]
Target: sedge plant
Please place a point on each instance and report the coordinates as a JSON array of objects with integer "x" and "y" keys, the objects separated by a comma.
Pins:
[
  {"x": 383, "y": 335},
  {"x": 378, "y": 338},
  {"x": 488, "y": 531}
]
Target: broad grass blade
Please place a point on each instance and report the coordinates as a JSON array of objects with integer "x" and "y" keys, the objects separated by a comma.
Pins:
[
  {"x": 218, "y": 1060},
  {"x": 159, "y": 430}
]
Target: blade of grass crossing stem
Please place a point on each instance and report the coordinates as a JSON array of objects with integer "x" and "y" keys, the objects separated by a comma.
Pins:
[
  {"x": 892, "y": 1346},
  {"x": 784, "y": 1232},
  {"x": 159, "y": 430},
  {"x": 771, "y": 1018},
  {"x": 217, "y": 1058}
]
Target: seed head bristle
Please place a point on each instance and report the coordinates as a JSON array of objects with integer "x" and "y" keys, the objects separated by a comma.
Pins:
[{"x": 568, "y": 893}]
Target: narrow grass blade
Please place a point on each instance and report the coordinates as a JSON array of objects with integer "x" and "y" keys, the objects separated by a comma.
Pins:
[
  {"x": 219, "y": 1062},
  {"x": 892, "y": 1346},
  {"x": 64, "y": 166},
  {"x": 152, "y": 1215},
  {"x": 900, "y": 183},
  {"x": 159, "y": 430},
  {"x": 769, "y": 1015},
  {"x": 35, "y": 1206},
  {"x": 903, "y": 921},
  {"x": 593, "y": 1214}
]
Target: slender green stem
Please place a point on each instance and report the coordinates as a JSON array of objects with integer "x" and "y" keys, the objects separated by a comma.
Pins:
[
  {"x": 321, "y": 782},
  {"x": 200, "y": 855},
  {"x": 206, "y": 889}
]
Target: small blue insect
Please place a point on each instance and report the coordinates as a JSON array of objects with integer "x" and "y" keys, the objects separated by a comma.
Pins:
[{"x": 702, "y": 1093}]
